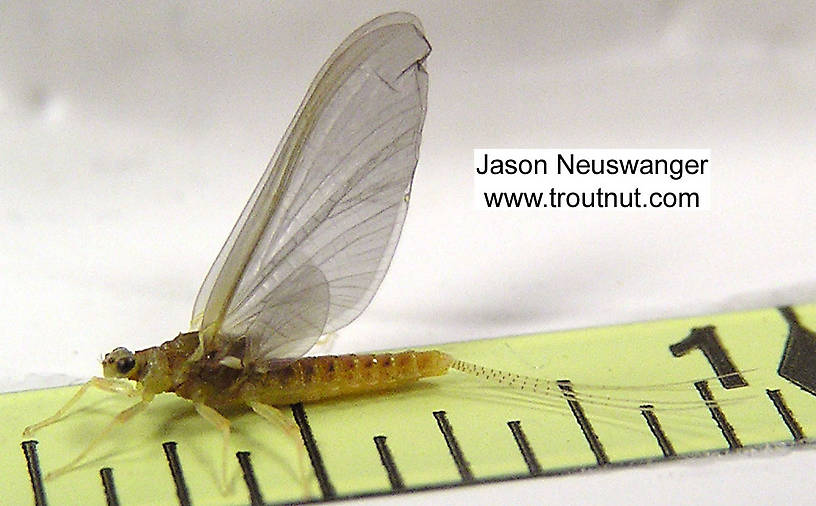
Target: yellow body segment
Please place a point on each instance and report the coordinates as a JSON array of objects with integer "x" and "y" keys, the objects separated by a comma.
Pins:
[{"x": 316, "y": 378}]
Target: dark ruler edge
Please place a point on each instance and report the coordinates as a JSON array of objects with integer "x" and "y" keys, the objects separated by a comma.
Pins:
[
  {"x": 717, "y": 414},
  {"x": 622, "y": 464},
  {"x": 255, "y": 497},
  {"x": 394, "y": 476},
  {"x": 459, "y": 459},
  {"x": 34, "y": 471},
  {"x": 106, "y": 474},
  {"x": 583, "y": 422},
  {"x": 319, "y": 468},
  {"x": 176, "y": 472},
  {"x": 647, "y": 410},
  {"x": 524, "y": 447}
]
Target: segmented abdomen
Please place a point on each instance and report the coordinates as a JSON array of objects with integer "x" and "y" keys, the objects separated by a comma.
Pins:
[{"x": 314, "y": 378}]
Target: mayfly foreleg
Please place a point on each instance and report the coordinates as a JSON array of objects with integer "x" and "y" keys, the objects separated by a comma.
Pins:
[
  {"x": 274, "y": 415},
  {"x": 119, "y": 419},
  {"x": 223, "y": 425},
  {"x": 108, "y": 384}
]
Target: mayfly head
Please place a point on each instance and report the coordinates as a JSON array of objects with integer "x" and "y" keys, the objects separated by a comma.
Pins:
[{"x": 120, "y": 363}]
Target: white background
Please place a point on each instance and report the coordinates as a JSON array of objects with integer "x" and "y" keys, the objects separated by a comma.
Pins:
[{"x": 131, "y": 137}]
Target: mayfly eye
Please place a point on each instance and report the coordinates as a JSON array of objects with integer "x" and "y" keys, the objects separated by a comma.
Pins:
[{"x": 125, "y": 364}]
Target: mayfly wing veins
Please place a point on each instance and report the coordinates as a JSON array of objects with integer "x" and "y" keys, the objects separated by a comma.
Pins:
[{"x": 317, "y": 235}]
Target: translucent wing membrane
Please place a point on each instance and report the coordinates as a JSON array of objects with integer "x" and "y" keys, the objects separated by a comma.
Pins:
[
  {"x": 298, "y": 308},
  {"x": 317, "y": 235}
]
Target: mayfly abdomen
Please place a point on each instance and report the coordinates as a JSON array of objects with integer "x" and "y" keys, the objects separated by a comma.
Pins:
[{"x": 315, "y": 378}]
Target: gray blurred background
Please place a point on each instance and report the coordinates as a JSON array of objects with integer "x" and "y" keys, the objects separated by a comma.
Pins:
[{"x": 131, "y": 136}]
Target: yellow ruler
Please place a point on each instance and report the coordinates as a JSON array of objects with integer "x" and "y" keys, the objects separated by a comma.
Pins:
[{"x": 631, "y": 394}]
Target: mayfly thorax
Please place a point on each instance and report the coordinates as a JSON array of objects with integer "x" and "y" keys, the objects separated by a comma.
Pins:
[{"x": 307, "y": 253}]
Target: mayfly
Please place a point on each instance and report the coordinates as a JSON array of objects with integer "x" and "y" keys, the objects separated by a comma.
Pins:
[{"x": 307, "y": 254}]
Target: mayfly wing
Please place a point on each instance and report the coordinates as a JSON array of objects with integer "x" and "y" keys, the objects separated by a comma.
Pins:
[{"x": 317, "y": 235}]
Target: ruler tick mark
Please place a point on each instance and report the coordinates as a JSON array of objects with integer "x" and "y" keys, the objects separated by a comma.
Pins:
[
  {"x": 717, "y": 414},
  {"x": 525, "y": 448},
  {"x": 255, "y": 497},
  {"x": 175, "y": 470},
  {"x": 583, "y": 422},
  {"x": 326, "y": 486},
  {"x": 647, "y": 410},
  {"x": 34, "y": 471},
  {"x": 388, "y": 463},
  {"x": 106, "y": 473},
  {"x": 462, "y": 464},
  {"x": 786, "y": 414}
]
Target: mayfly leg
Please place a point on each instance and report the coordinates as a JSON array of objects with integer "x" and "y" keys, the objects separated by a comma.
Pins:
[
  {"x": 106, "y": 384},
  {"x": 109, "y": 385},
  {"x": 119, "y": 419},
  {"x": 274, "y": 415},
  {"x": 223, "y": 425}
]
